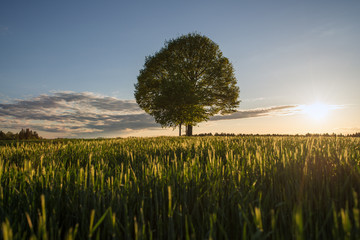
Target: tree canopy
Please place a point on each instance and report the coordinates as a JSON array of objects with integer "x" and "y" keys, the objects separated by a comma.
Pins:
[
  {"x": 186, "y": 82},
  {"x": 22, "y": 135}
]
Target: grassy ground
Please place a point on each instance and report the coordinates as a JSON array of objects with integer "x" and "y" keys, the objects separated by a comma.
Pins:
[{"x": 182, "y": 188}]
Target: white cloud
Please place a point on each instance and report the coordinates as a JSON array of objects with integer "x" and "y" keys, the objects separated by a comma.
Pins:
[
  {"x": 259, "y": 112},
  {"x": 88, "y": 114},
  {"x": 74, "y": 114}
]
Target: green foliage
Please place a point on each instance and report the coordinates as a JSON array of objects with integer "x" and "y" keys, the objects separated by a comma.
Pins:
[
  {"x": 246, "y": 187},
  {"x": 22, "y": 135},
  {"x": 186, "y": 82}
]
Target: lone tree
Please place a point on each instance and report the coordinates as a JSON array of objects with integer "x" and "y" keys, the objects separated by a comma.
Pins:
[{"x": 186, "y": 82}]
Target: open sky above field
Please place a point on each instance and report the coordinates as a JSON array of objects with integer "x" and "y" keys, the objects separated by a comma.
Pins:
[{"x": 68, "y": 68}]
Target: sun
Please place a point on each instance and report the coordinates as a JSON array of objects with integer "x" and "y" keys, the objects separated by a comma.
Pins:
[{"x": 317, "y": 111}]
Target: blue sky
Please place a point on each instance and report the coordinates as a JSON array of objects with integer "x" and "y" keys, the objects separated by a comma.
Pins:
[{"x": 73, "y": 55}]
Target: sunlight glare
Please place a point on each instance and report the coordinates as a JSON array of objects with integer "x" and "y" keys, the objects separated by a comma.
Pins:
[{"x": 317, "y": 111}]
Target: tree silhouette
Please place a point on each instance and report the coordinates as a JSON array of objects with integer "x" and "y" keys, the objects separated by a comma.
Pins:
[
  {"x": 2, "y": 135},
  {"x": 22, "y": 135},
  {"x": 186, "y": 82}
]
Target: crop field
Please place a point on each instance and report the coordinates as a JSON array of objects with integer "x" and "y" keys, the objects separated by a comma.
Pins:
[{"x": 250, "y": 187}]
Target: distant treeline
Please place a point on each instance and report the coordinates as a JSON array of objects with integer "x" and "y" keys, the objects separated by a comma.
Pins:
[
  {"x": 355, "y": 135},
  {"x": 281, "y": 135},
  {"x": 29, "y": 134},
  {"x": 22, "y": 135}
]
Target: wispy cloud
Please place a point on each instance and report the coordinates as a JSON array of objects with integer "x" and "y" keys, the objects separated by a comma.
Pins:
[
  {"x": 73, "y": 114},
  {"x": 88, "y": 114},
  {"x": 253, "y": 99},
  {"x": 260, "y": 112}
]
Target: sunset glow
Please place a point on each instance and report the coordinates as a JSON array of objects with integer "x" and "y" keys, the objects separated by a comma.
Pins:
[
  {"x": 317, "y": 111},
  {"x": 68, "y": 69}
]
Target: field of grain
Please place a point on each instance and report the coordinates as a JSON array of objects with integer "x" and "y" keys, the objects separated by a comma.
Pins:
[{"x": 181, "y": 188}]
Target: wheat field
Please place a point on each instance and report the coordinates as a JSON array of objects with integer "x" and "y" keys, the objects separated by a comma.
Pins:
[{"x": 248, "y": 187}]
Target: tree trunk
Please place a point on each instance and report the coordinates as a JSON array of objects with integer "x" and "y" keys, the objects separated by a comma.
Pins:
[
  {"x": 180, "y": 129},
  {"x": 189, "y": 129}
]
